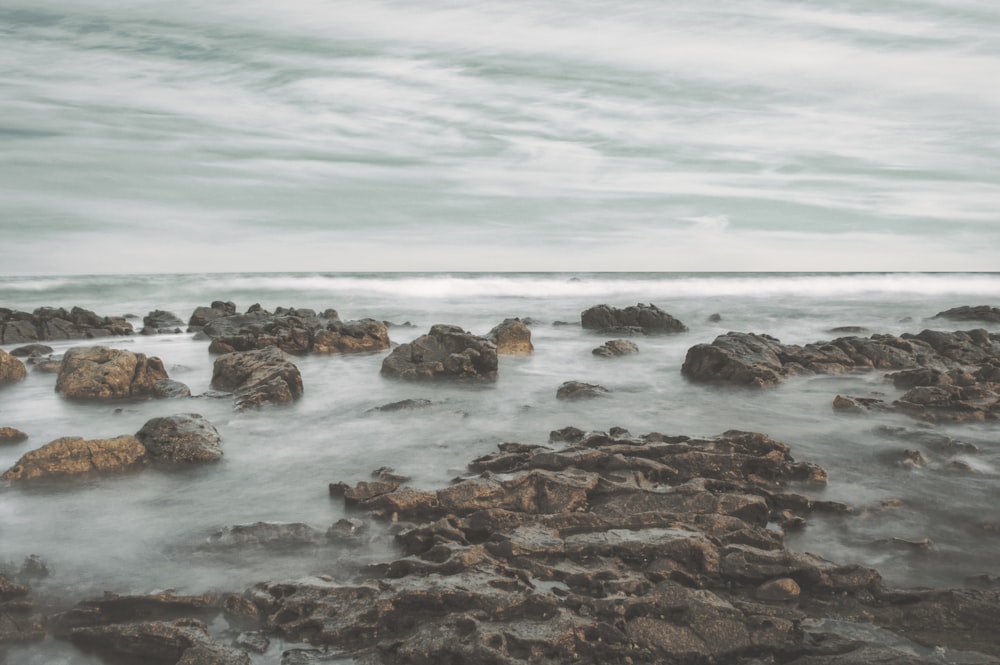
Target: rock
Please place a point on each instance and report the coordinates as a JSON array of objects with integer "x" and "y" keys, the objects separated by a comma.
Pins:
[
  {"x": 258, "y": 378},
  {"x": 159, "y": 322},
  {"x": 181, "y": 439},
  {"x": 181, "y": 642},
  {"x": 20, "y": 620},
  {"x": 10, "y": 436},
  {"x": 46, "y": 366},
  {"x": 780, "y": 590},
  {"x": 848, "y": 330},
  {"x": 740, "y": 358},
  {"x": 50, "y": 323},
  {"x": 202, "y": 315},
  {"x": 404, "y": 405},
  {"x": 580, "y": 390},
  {"x": 615, "y": 348},
  {"x": 73, "y": 456},
  {"x": 98, "y": 372},
  {"x": 365, "y": 336},
  {"x": 32, "y": 351},
  {"x": 856, "y": 404},
  {"x": 967, "y": 313},
  {"x": 446, "y": 352},
  {"x": 645, "y": 319},
  {"x": 265, "y": 534},
  {"x": 12, "y": 370},
  {"x": 715, "y": 318},
  {"x": 170, "y": 389},
  {"x": 512, "y": 337}
]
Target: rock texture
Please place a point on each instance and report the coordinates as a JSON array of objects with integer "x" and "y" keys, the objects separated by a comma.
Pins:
[
  {"x": 615, "y": 348},
  {"x": 202, "y": 315},
  {"x": 11, "y": 435},
  {"x": 258, "y": 378},
  {"x": 32, "y": 351},
  {"x": 614, "y": 549},
  {"x": 159, "y": 322},
  {"x": 294, "y": 331},
  {"x": 186, "y": 438},
  {"x": 639, "y": 319},
  {"x": 12, "y": 370},
  {"x": 71, "y": 456},
  {"x": 446, "y": 352},
  {"x": 20, "y": 620},
  {"x": 983, "y": 313},
  {"x": 580, "y": 390},
  {"x": 52, "y": 323},
  {"x": 99, "y": 372},
  {"x": 512, "y": 337}
]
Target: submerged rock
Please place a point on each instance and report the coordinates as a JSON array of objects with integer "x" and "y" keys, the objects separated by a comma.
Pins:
[
  {"x": 264, "y": 534},
  {"x": 580, "y": 390},
  {"x": 72, "y": 456},
  {"x": 970, "y": 313},
  {"x": 446, "y": 352},
  {"x": 159, "y": 322},
  {"x": 12, "y": 370},
  {"x": 20, "y": 619},
  {"x": 640, "y": 318},
  {"x": 512, "y": 337},
  {"x": 99, "y": 372},
  {"x": 258, "y": 378},
  {"x": 615, "y": 348},
  {"x": 32, "y": 351},
  {"x": 181, "y": 439}
]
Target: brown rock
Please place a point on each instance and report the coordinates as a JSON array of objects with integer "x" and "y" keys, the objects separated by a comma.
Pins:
[
  {"x": 10, "y": 435},
  {"x": 779, "y": 590},
  {"x": 12, "y": 370},
  {"x": 580, "y": 390},
  {"x": 446, "y": 352},
  {"x": 363, "y": 336},
  {"x": 258, "y": 378},
  {"x": 512, "y": 337},
  {"x": 181, "y": 439},
  {"x": 73, "y": 456},
  {"x": 98, "y": 372},
  {"x": 615, "y": 348}
]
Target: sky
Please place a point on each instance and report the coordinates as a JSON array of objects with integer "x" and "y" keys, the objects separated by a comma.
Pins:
[{"x": 456, "y": 136}]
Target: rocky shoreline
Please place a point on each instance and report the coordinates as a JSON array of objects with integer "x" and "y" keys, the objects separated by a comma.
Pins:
[{"x": 591, "y": 547}]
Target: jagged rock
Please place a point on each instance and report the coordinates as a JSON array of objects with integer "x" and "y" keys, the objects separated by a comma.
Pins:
[
  {"x": 580, "y": 390},
  {"x": 967, "y": 313},
  {"x": 264, "y": 534},
  {"x": 641, "y": 318},
  {"x": 616, "y": 347},
  {"x": 11, "y": 435},
  {"x": 159, "y": 322},
  {"x": 73, "y": 456},
  {"x": 12, "y": 370},
  {"x": 446, "y": 352},
  {"x": 512, "y": 337},
  {"x": 258, "y": 378},
  {"x": 32, "y": 351},
  {"x": 98, "y": 372},
  {"x": 364, "y": 336},
  {"x": 51, "y": 323},
  {"x": 202, "y": 315},
  {"x": 181, "y": 439}
]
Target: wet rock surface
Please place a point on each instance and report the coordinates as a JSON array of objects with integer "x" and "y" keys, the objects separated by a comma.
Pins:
[
  {"x": 11, "y": 436},
  {"x": 181, "y": 439},
  {"x": 446, "y": 352},
  {"x": 12, "y": 370},
  {"x": 72, "y": 456},
  {"x": 580, "y": 390},
  {"x": 971, "y": 313},
  {"x": 615, "y": 348},
  {"x": 102, "y": 373},
  {"x": 160, "y": 322},
  {"x": 57, "y": 323},
  {"x": 637, "y": 319},
  {"x": 258, "y": 378},
  {"x": 512, "y": 337}
]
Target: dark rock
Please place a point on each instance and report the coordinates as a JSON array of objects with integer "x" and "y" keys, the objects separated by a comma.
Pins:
[
  {"x": 967, "y": 313},
  {"x": 446, "y": 352},
  {"x": 46, "y": 366},
  {"x": 512, "y": 337},
  {"x": 404, "y": 405},
  {"x": 73, "y": 456},
  {"x": 98, "y": 372},
  {"x": 20, "y": 620},
  {"x": 715, "y": 318},
  {"x": 202, "y": 315},
  {"x": 170, "y": 389},
  {"x": 848, "y": 330},
  {"x": 264, "y": 534},
  {"x": 181, "y": 439},
  {"x": 10, "y": 436},
  {"x": 580, "y": 390},
  {"x": 51, "y": 323},
  {"x": 32, "y": 351},
  {"x": 345, "y": 531},
  {"x": 857, "y": 404},
  {"x": 365, "y": 336},
  {"x": 258, "y": 378},
  {"x": 616, "y": 347},
  {"x": 253, "y": 641},
  {"x": 645, "y": 319},
  {"x": 159, "y": 322},
  {"x": 739, "y": 358},
  {"x": 181, "y": 642},
  {"x": 12, "y": 370}
]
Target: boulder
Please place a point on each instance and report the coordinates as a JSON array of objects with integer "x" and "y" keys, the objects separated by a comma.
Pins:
[
  {"x": 202, "y": 315},
  {"x": 362, "y": 336},
  {"x": 10, "y": 435},
  {"x": 739, "y": 358},
  {"x": 186, "y": 438},
  {"x": 512, "y": 337},
  {"x": 967, "y": 313},
  {"x": 580, "y": 390},
  {"x": 170, "y": 389},
  {"x": 12, "y": 370},
  {"x": 643, "y": 319},
  {"x": 446, "y": 352},
  {"x": 32, "y": 351},
  {"x": 159, "y": 322},
  {"x": 99, "y": 372},
  {"x": 71, "y": 456},
  {"x": 258, "y": 378},
  {"x": 51, "y": 323},
  {"x": 615, "y": 348}
]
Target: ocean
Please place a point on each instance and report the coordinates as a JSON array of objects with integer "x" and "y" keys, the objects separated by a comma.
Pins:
[{"x": 146, "y": 532}]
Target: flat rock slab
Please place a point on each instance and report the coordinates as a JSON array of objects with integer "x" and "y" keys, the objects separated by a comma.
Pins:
[{"x": 71, "y": 456}]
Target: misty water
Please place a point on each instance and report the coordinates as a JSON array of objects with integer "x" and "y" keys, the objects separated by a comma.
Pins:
[{"x": 147, "y": 531}]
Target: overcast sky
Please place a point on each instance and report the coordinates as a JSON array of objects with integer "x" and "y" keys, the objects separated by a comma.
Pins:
[{"x": 368, "y": 136}]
